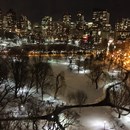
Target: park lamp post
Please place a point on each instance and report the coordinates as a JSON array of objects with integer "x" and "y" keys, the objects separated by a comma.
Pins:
[{"x": 104, "y": 124}]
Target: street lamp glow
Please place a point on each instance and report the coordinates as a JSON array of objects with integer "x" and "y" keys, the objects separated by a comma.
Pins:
[{"x": 104, "y": 124}]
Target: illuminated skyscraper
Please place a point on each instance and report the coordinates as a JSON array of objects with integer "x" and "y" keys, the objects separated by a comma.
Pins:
[
  {"x": 101, "y": 27},
  {"x": 23, "y": 25},
  {"x": 123, "y": 25},
  {"x": 10, "y": 20},
  {"x": 24, "y": 22},
  {"x": 80, "y": 21},
  {"x": 101, "y": 17},
  {"x": 46, "y": 22},
  {"x": 122, "y": 29},
  {"x": 67, "y": 19},
  {"x": 80, "y": 17},
  {"x": 47, "y": 26}
]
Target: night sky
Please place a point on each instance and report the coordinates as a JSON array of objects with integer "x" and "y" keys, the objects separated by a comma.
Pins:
[{"x": 36, "y": 9}]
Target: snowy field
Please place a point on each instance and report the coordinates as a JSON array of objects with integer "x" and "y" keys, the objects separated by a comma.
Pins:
[{"x": 93, "y": 118}]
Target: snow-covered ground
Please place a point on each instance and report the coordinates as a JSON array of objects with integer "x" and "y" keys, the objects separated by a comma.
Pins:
[{"x": 93, "y": 118}]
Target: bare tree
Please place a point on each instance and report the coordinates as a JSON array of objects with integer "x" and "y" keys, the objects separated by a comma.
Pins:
[
  {"x": 43, "y": 76},
  {"x": 27, "y": 111},
  {"x": 60, "y": 83},
  {"x": 19, "y": 72},
  {"x": 120, "y": 97},
  {"x": 97, "y": 74},
  {"x": 53, "y": 116}
]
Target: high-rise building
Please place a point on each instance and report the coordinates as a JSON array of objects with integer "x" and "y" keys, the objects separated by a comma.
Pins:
[
  {"x": 23, "y": 25},
  {"x": 101, "y": 17},
  {"x": 46, "y": 22},
  {"x": 101, "y": 26},
  {"x": 80, "y": 17},
  {"x": 80, "y": 21},
  {"x": 10, "y": 20},
  {"x": 66, "y": 26},
  {"x": 122, "y": 29},
  {"x": 47, "y": 26},
  {"x": 101, "y": 20},
  {"x": 67, "y": 19},
  {"x": 123, "y": 25}
]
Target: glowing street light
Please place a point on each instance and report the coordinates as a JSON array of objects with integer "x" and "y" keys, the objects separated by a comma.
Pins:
[{"x": 104, "y": 124}]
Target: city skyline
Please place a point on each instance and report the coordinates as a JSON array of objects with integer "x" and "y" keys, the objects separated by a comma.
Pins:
[{"x": 35, "y": 10}]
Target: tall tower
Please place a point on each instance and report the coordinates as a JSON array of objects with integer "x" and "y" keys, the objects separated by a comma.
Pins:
[
  {"x": 46, "y": 22},
  {"x": 122, "y": 29},
  {"x": 67, "y": 19},
  {"x": 11, "y": 20},
  {"x": 23, "y": 25},
  {"x": 101, "y": 17},
  {"x": 80, "y": 17},
  {"x": 101, "y": 27},
  {"x": 47, "y": 26},
  {"x": 80, "y": 21}
]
